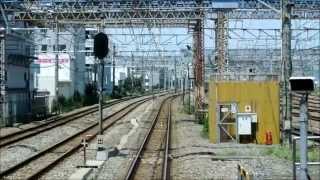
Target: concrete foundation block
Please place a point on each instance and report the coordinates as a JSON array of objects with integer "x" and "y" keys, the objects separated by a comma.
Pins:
[{"x": 81, "y": 174}]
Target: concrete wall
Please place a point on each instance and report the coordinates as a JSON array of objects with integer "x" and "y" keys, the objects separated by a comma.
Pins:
[
  {"x": 18, "y": 107},
  {"x": 17, "y": 76}
]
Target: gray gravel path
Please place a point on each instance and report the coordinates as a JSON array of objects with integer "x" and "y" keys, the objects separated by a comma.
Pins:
[{"x": 194, "y": 157}]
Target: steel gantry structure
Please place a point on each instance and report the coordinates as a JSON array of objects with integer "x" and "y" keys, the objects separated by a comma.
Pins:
[
  {"x": 190, "y": 14},
  {"x": 171, "y": 12}
]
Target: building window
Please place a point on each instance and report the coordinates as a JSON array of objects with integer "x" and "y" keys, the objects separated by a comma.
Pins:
[
  {"x": 62, "y": 47},
  {"x": 25, "y": 76},
  {"x": 44, "y": 48},
  {"x": 43, "y": 30},
  {"x": 87, "y": 34},
  {"x": 89, "y": 51}
]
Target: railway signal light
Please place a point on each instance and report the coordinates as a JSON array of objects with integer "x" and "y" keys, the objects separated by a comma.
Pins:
[
  {"x": 100, "y": 48},
  {"x": 302, "y": 84}
]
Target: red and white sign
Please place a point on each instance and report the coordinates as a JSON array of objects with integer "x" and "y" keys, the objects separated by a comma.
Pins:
[
  {"x": 51, "y": 58},
  {"x": 47, "y": 65}
]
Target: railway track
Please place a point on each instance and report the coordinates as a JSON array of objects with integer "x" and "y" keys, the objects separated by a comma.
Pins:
[
  {"x": 59, "y": 121},
  {"x": 314, "y": 114},
  {"x": 152, "y": 158},
  {"x": 36, "y": 165}
]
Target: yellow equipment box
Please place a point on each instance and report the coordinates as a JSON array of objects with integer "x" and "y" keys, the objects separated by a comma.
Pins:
[{"x": 244, "y": 112}]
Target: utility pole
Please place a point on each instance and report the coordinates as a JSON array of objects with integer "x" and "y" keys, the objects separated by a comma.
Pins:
[
  {"x": 199, "y": 67},
  {"x": 95, "y": 73},
  {"x": 170, "y": 80},
  {"x": 286, "y": 69},
  {"x": 113, "y": 69},
  {"x": 152, "y": 81},
  {"x": 221, "y": 41},
  {"x": 175, "y": 75},
  {"x": 131, "y": 73},
  {"x": 183, "y": 89},
  {"x": 56, "y": 67},
  {"x": 164, "y": 79},
  {"x": 142, "y": 74},
  {"x": 3, "y": 78},
  {"x": 189, "y": 87},
  {"x": 101, "y": 95}
]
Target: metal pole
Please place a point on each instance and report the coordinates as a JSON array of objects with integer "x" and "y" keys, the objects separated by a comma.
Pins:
[
  {"x": 303, "y": 137},
  {"x": 175, "y": 75},
  {"x": 189, "y": 87},
  {"x": 3, "y": 79},
  {"x": 152, "y": 81},
  {"x": 95, "y": 73},
  {"x": 113, "y": 69},
  {"x": 165, "y": 79},
  {"x": 294, "y": 159},
  {"x": 159, "y": 87},
  {"x": 84, "y": 152},
  {"x": 56, "y": 67},
  {"x": 183, "y": 89},
  {"x": 101, "y": 96},
  {"x": 143, "y": 75},
  {"x": 287, "y": 66},
  {"x": 131, "y": 74}
]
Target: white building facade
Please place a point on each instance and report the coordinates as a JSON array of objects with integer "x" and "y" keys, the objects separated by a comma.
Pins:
[{"x": 71, "y": 58}]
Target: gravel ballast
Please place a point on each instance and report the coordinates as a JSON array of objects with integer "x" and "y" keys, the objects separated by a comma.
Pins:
[
  {"x": 30, "y": 146},
  {"x": 194, "y": 157},
  {"x": 115, "y": 167}
]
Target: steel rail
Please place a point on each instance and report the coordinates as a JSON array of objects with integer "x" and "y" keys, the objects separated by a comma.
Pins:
[
  {"x": 58, "y": 121},
  {"x": 166, "y": 164},
  {"x": 53, "y": 123},
  {"x": 73, "y": 142},
  {"x": 135, "y": 163},
  {"x": 313, "y": 110}
]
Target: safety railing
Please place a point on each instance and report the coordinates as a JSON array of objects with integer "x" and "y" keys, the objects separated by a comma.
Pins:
[{"x": 294, "y": 161}]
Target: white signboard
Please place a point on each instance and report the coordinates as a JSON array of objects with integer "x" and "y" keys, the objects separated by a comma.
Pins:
[
  {"x": 234, "y": 108},
  {"x": 244, "y": 124},
  {"x": 224, "y": 109},
  {"x": 254, "y": 118}
]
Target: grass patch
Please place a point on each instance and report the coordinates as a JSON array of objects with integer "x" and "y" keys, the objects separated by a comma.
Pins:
[
  {"x": 205, "y": 127},
  {"x": 283, "y": 152},
  {"x": 107, "y": 98},
  {"x": 278, "y": 151},
  {"x": 314, "y": 154},
  {"x": 229, "y": 153}
]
